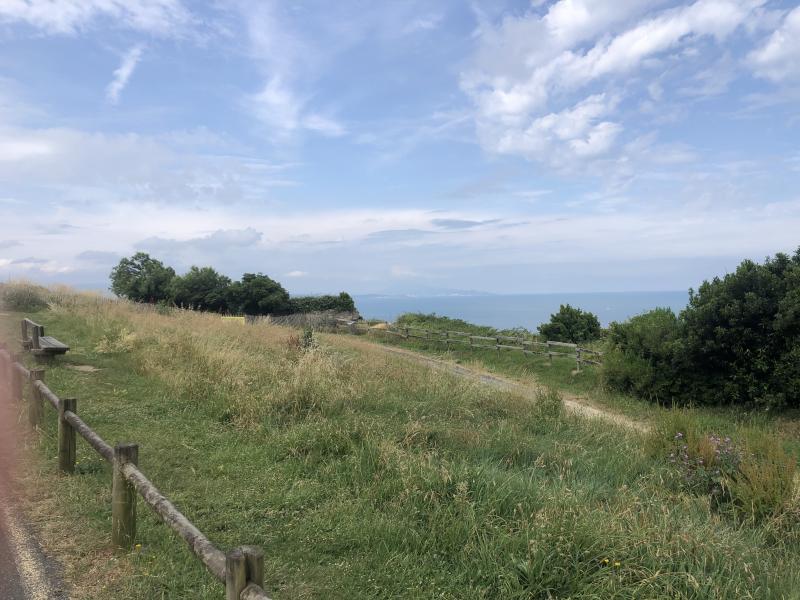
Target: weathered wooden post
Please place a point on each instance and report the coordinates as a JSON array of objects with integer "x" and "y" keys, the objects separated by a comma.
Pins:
[
  {"x": 24, "y": 340},
  {"x": 549, "y": 354},
  {"x": 35, "y": 406},
  {"x": 235, "y": 573},
  {"x": 578, "y": 358},
  {"x": 66, "y": 436},
  {"x": 36, "y": 332},
  {"x": 16, "y": 380},
  {"x": 123, "y": 498},
  {"x": 255, "y": 565}
]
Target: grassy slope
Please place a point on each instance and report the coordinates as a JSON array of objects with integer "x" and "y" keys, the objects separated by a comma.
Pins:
[
  {"x": 561, "y": 375},
  {"x": 364, "y": 476}
]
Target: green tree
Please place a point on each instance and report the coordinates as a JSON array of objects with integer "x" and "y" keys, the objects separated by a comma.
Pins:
[
  {"x": 201, "y": 289},
  {"x": 257, "y": 294},
  {"x": 571, "y": 324},
  {"x": 308, "y": 304},
  {"x": 742, "y": 334},
  {"x": 142, "y": 279}
]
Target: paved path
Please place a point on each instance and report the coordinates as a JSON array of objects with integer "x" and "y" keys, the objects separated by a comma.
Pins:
[{"x": 25, "y": 572}]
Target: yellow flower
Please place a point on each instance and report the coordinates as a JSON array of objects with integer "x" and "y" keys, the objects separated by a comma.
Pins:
[
  {"x": 138, "y": 546},
  {"x": 616, "y": 563}
]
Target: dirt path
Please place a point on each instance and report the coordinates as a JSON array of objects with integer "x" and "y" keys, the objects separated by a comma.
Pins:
[
  {"x": 26, "y": 573},
  {"x": 574, "y": 404}
]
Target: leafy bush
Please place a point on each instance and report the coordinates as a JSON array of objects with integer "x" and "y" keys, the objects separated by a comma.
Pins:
[
  {"x": 23, "y": 297},
  {"x": 742, "y": 335},
  {"x": 309, "y": 304},
  {"x": 571, "y": 324},
  {"x": 641, "y": 358},
  {"x": 737, "y": 342}
]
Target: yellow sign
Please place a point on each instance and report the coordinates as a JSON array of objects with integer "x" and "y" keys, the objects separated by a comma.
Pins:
[{"x": 234, "y": 319}]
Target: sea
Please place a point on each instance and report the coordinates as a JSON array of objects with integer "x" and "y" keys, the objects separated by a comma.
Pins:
[{"x": 520, "y": 310}]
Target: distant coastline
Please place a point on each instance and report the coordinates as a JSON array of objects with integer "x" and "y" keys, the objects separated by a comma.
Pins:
[{"x": 518, "y": 310}]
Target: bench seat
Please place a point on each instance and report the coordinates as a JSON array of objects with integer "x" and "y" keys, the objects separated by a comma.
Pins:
[{"x": 50, "y": 345}]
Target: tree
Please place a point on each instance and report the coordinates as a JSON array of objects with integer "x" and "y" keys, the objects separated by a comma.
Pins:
[
  {"x": 142, "y": 279},
  {"x": 737, "y": 342},
  {"x": 571, "y": 324},
  {"x": 257, "y": 294},
  {"x": 201, "y": 289},
  {"x": 308, "y": 304},
  {"x": 742, "y": 335}
]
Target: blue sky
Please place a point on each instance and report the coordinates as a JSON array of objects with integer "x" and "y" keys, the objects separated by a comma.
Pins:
[{"x": 400, "y": 147}]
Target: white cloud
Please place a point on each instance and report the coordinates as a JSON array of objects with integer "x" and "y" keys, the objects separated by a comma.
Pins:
[
  {"x": 296, "y": 274},
  {"x": 14, "y": 149},
  {"x": 123, "y": 73},
  {"x": 530, "y": 73},
  {"x": 778, "y": 59},
  {"x": 157, "y": 17}
]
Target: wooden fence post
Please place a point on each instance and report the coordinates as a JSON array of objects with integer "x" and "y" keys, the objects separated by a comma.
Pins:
[
  {"x": 235, "y": 573},
  {"x": 123, "y": 498},
  {"x": 66, "y": 436},
  {"x": 549, "y": 353},
  {"x": 35, "y": 334},
  {"x": 35, "y": 405},
  {"x": 16, "y": 380},
  {"x": 255, "y": 565},
  {"x": 578, "y": 358}
]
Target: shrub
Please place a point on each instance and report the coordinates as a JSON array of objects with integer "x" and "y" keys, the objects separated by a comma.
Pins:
[
  {"x": 642, "y": 355},
  {"x": 309, "y": 304},
  {"x": 737, "y": 342},
  {"x": 257, "y": 294},
  {"x": 571, "y": 324},
  {"x": 23, "y": 297}
]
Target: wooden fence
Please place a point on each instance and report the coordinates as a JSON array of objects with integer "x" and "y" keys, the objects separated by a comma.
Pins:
[
  {"x": 528, "y": 346},
  {"x": 241, "y": 569}
]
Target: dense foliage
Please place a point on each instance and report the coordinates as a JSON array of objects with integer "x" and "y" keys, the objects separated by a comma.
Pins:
[
  {"x": 571, "y": 324},
  {"x": 308, "y": 304},
  {"x": 202, "y": 289},
  {"x": 142, "y": 278},
  {"x": 257, "y": 294},
  {"x": 737, "y": 342}
]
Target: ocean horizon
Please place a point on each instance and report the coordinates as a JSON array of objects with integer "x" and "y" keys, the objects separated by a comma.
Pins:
[{"x": 504, "y": 311}]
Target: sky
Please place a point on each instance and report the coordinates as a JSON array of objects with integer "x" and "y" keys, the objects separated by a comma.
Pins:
[{"x": 400, "y": 147}]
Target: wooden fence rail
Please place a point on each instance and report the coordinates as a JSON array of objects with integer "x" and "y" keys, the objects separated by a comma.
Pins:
[
  {"x": 527, "y": 346},
  {"x": 241, "y": 569}
]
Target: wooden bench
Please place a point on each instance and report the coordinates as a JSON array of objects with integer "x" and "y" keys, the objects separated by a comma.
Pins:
[{"x": 34, "y": 339}]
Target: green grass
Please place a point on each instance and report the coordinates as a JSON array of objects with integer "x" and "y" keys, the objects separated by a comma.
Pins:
[
  {"x": 562, "y": 375},
  {"x": 364, "y": 476}
]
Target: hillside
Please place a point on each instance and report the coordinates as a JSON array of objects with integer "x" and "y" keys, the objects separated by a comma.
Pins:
[{"x": 364, "y": 474}]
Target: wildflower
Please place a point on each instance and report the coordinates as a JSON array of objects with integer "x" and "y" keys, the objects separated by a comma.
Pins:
[
  {"x": 138, "y": 547},
  {"x": 616, "y": 563},
  {"x": 604, "y": 561}
]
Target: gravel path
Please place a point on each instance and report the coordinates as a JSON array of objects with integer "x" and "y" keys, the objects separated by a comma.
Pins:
[
  {"x": 574, "y": 404},
  {"x": 26, "y": 573}
]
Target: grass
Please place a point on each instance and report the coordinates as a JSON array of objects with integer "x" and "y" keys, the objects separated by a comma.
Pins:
[{"x": 366, "y": 476}]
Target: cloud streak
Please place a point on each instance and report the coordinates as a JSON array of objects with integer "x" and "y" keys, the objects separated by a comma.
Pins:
[{"x": 122, "y": 74}]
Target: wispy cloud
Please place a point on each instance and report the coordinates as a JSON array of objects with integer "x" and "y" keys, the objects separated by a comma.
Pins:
[
  {"x": 157, "y": 17},
  {"x": 123, "y": 73}
]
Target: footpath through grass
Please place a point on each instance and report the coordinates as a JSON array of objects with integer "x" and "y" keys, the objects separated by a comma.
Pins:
[
  {"x": 587, "y": 384},
  {"x": 365, "y": 476}
]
